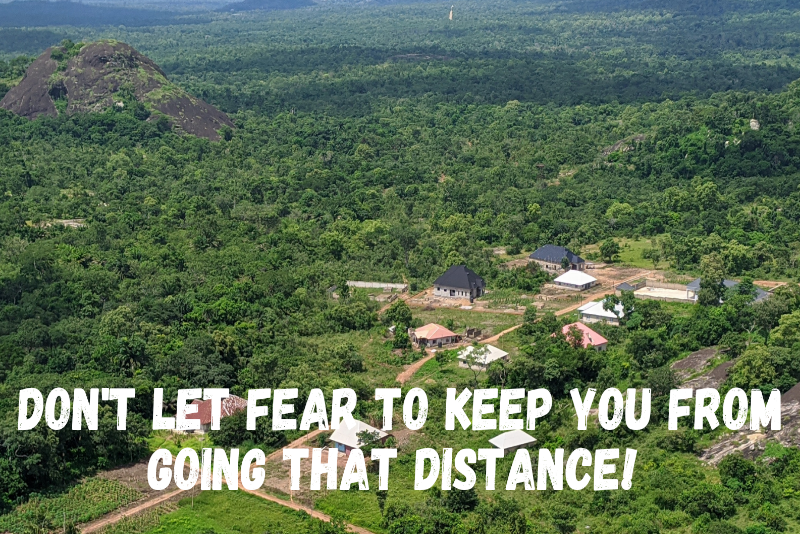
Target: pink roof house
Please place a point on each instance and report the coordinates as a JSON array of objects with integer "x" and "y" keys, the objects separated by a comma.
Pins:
[
  {"x": 590, "y": 337},
  {"x": 432, "y": 335}
]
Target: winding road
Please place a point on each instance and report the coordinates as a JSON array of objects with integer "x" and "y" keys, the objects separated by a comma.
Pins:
[{"x": 148, "y": 504}]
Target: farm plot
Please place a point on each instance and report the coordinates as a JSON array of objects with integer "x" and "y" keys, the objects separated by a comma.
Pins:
[{"x": 80, "y": 504}]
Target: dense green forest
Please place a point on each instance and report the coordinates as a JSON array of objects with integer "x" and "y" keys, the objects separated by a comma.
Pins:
[{"x": 385, "y": 142}]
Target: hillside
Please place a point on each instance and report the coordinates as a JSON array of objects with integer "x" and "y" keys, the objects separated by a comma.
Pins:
[
  {"x": 94, "y": 77},
  {"x": 266, "y": 5}
]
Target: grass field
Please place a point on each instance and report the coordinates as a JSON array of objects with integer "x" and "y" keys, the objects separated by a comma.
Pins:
[
  {"x": 490, "y": 323},
  {"x": 497, "y": 298},
  {"x": 630, "y": 252},
  {"x": 382, "y": 364},
  {"x": 174, "y": 442},
  {"x": 232, "y": 512}
]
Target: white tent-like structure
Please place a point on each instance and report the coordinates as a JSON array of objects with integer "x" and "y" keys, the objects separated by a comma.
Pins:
[
  {"x": 512, "y": 440},
  {"x": 483, "y": 356},
  {"x": 577, "y": 280},
  {"x": 346, "y": 439}
]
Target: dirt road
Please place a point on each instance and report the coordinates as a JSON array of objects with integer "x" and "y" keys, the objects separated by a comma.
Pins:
[
  {"x": 294, "y": 506},
  {"x": 494, "y": 338},
  {"x": 406, "y": 375},
  {"x": 403, "y": 296},
  {"x": 161, "y": 498}
]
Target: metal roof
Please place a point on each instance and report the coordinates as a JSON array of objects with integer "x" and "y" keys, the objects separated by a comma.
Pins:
[
  {"x": 512, "y": 439},
  {"x": 349, "y": 436},
  {"x": 483, "y": 355},
  {"x": 596, "y": 309},
  {"x": 694, "y": 285},
  {"x": 575, "y": 278},
  {"x": 433, "y": 331},
  {"x": 554, "y": 254},
  {"x": 589, "y": 337},
  {"x": 459, "y": 276}
]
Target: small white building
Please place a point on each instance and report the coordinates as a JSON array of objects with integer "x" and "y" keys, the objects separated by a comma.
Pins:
[
  {"x": 595, "y": 313},
  {"x": 512, "y": 440},
  {"x": 483, "y": 356},
  {"x": 346, "y": 439},
  {"x": 575, "y": 280}
]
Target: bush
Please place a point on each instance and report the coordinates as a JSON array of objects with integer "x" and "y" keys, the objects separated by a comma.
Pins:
[
  {"x": 461, "y": 500},
  {"x": 736, "y": 472},
  {"x": 712, "y": 499}
]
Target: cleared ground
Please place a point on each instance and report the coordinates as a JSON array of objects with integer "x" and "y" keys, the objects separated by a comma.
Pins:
[{"x": 657, "y": 293}]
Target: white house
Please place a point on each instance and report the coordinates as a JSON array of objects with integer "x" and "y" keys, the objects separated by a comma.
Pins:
[
  {"x": 512, "y": 440},
  {"x": 483, "y": 356},
  {"x": 595, "y": 313},
  {"x": 346, "y": 439},
  {"x": 576, "y": 280}
]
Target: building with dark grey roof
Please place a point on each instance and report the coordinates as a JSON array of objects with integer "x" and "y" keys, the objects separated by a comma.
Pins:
[
  {"x": 693, "y": 288},
  {"x": 549, "y": 257},
  {"x": 459, "y": 282}
]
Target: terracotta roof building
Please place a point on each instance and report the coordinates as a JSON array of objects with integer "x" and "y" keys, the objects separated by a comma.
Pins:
[
  {"x": 433, "y": 335},
  {"x": 230, "y": 405}
]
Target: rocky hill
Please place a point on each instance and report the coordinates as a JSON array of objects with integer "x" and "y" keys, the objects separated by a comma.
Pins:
[{"x": 97, "y": 76}]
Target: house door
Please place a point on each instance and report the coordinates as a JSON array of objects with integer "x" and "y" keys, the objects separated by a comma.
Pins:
[{"x": 340, "y": 447}]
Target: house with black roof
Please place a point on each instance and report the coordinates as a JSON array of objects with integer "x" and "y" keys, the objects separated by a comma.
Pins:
[
  {"x": 550, "y": 258},
  {"x": 459, "y": 282}
]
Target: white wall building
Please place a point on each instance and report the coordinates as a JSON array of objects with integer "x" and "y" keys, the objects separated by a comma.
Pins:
[
  {"x": 595, "y": 313},
  {"x": 575, "y": 280}
]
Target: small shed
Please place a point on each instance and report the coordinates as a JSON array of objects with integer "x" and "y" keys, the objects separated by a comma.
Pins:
[
  {"x": 575, "y": 280},
  {"x": 346, "y": 439},
  {"x": 512, "y": 440},
  {"x": 484, "y": 356}
]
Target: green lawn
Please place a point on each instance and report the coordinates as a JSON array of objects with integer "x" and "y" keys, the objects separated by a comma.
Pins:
[
  {"x": 489, "y": 322},
  {"x": 382, "y": 365},
  {"x": 232, "y": 512},
  {"x": 630, "y": 252},
  {"x": 174, "y": 442}
]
